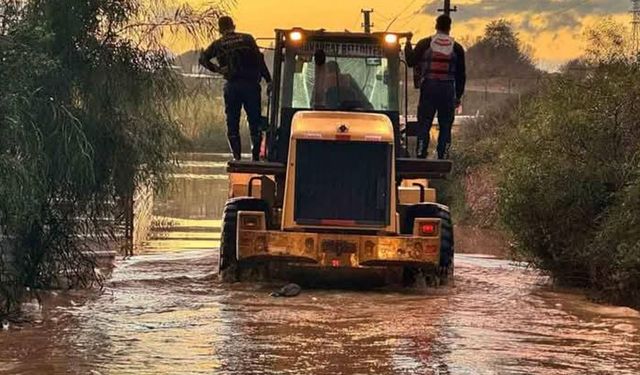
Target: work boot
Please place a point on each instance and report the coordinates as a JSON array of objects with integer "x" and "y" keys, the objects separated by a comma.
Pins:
[
  {"x": 421, "y": 148},
  {"x": 236, "y": 146},
  {"x": 443, "y": 153},
  {"x": 256, "y": 143}
]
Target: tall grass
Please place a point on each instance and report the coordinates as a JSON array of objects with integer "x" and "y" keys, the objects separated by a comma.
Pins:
[{"x": 201, "y": 115}]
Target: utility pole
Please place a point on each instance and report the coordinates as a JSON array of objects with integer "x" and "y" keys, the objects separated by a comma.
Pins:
[
  {"x": 448, "y": 9},
  {"x": 635, "y": 22},
  {"x": 367, "y": 20}
]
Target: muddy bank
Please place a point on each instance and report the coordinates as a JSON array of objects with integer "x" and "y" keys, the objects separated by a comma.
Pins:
[{"x": 474, "y": 240}]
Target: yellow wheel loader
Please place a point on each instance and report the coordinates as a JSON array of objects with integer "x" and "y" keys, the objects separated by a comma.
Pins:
[{"x": 338, "y": 190}]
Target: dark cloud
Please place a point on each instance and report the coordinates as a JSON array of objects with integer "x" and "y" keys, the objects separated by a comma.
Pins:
[{"x": 554, "y": 13}]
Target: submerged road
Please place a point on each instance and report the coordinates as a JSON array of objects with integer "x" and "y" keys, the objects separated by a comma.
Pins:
[{"x": 164, "y": 312}]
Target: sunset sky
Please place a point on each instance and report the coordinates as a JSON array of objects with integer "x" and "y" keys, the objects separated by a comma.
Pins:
[{"x": 553, "y": 28}]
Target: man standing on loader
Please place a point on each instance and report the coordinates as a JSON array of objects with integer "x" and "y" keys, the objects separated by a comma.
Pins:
[
  {"x": 242, "y": 64},
  {"x": 441, "y": 78}
]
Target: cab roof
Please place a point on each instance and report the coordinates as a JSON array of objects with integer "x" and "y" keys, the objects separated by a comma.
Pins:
[{"x": 322, "y": 34}]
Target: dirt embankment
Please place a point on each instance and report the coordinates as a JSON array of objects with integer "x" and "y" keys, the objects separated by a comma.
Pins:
[
  {"x": 477, "y": 233},
  {"x": 471, "y": 239}
]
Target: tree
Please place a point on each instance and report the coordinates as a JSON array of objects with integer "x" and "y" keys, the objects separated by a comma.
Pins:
[
  {"x": 607, "y": 41},
  {"x": 84, "y": 118},
  {"x": 499, "y": 53}
]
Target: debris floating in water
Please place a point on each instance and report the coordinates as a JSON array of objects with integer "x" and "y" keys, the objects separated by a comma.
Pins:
[{"x": 289, "y": 290}]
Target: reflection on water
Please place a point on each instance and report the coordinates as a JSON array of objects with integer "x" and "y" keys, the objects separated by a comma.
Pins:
[
  {"x": 188, "y": 217},
  {"x": 163, "y": 312}
]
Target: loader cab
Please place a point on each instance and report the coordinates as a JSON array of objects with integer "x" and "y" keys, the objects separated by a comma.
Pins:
[
  {"x": 329, "y": 71},
  {"x": 330, "y": 81}
]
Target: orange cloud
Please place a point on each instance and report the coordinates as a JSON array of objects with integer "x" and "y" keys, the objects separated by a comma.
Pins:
[{"x": 553, "y": 28}]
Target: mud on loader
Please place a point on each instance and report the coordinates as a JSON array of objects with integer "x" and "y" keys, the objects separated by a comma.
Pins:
[{"x": 338, "y": 190}]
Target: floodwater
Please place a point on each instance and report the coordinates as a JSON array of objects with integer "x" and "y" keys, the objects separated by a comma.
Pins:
[{"x": 164, "y": 312}]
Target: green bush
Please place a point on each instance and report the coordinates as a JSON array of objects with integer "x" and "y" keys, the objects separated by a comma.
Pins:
[
  {"x": 569, "y": 170},
  {"x": 497, "y": 58},
  {"x": 475, "y": 150},
  {"x": 614, "y": 255},
  {"x": 566, "y": 160}
]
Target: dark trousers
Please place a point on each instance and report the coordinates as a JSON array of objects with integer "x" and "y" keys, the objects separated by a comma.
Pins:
[
  {"x": 239, "y": 94},
  {"x": 436, "y": 97}
]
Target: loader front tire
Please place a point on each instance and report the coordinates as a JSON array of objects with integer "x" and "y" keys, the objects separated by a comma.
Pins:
[
  {"x": 444, "y": 269},
  {"x": 228, "y": 268}
]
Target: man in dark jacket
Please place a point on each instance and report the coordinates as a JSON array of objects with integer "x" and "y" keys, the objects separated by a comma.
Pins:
[
  {"x": 439, "y": 64},
  {"x": 242, "y": 64}
]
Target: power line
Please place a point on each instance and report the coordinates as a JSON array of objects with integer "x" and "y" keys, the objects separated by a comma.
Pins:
[
  {"x": 571, "y": 7},
  {"x": 357, "y": 22},
  {"x": 382, "y": 16},
  {"x": 408, "y": 20},
  {"x": 399, "y": 14},
  {"x": 447, "y": 9}
]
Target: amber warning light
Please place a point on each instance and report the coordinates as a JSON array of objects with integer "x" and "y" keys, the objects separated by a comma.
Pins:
[
  {"x": 295, "y": 36},
  {"x": 391, "y": 39}
]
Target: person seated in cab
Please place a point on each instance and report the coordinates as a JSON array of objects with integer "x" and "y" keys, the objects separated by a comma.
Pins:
[{"x": 335, "y": 90}]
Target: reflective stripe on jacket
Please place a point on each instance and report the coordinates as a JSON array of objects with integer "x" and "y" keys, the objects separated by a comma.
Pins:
[{"x": 439, "y": 60}]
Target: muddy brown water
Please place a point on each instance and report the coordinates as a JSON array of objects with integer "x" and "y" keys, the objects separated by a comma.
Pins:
[{"x": 164, "y": 312}]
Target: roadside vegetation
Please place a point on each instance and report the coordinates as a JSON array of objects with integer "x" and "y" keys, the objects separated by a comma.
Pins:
[
  {"x": 84, "y": 118},
  {"x": 564, "y": 166},
  {"x": 200, "y": 112},
  {"x": 472, "y": 190}
]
